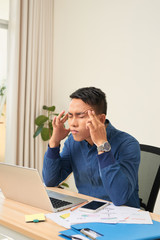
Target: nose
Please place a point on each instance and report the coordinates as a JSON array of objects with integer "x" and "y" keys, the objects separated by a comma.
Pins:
[{"x": 73, "y": 122}]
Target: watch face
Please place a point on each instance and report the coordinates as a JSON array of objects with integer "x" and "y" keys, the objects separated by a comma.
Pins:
[{"x": 107, "y": 146}]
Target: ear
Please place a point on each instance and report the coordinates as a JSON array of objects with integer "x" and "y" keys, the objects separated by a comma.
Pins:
[{"x": 102, "y": 117}]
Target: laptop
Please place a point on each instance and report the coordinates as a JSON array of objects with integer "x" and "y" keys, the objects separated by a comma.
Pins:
[{"x": 24, "y": 185}]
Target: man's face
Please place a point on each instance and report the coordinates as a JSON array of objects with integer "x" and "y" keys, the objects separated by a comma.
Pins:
[{"x": 77, "y": 119}]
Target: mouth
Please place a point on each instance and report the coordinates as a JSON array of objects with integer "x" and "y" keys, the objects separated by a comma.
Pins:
[{"x": 74, "y": 131}]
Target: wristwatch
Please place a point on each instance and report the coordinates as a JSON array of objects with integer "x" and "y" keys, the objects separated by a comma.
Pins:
[{"x": 105, "y": 147}]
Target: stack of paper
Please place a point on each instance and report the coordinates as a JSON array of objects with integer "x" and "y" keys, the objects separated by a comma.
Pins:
[
  {"x": 110, "y": 214},
  {"x": 112, "y": 222}
]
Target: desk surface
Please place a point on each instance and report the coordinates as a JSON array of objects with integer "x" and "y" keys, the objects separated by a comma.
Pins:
[{"x": 12, "y": 216}]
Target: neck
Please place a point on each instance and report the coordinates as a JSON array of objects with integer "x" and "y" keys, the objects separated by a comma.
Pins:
[{"x": 89, "y": 140}]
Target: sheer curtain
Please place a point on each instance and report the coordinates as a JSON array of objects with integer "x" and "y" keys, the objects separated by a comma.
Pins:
[{"x": 30, "y": 77}]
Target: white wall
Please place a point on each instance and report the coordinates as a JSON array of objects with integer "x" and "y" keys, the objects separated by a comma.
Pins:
[{"x": 113, "y": 45}]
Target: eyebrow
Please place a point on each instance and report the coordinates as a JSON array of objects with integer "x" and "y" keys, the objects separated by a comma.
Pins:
[{"x": 80, "y": 113}]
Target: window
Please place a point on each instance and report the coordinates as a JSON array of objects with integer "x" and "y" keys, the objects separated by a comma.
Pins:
[{"x": 4, "y": 18}]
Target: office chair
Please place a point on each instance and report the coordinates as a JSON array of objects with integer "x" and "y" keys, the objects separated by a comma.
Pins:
[{"x": 149, "y": 176}]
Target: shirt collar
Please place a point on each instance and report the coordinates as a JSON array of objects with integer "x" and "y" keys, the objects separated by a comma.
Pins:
[{"x": 110, "y": 130}]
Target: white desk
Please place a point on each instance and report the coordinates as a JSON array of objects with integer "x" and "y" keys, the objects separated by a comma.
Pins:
[{"x": 12, "y": 220}]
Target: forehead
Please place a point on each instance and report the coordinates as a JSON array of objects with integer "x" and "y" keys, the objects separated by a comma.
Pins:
[{"x": 77, "y": 105}]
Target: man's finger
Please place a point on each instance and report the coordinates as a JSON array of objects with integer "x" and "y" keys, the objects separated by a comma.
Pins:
[
  {"x": 89, "y": 125},
  {"x": 93, "y": 118},
  {"x": 54, "y": 121},
  {"x": 64, "y": 119},
  {"x": 92, "y": 114},
  {"x": 58, "y": 119}
]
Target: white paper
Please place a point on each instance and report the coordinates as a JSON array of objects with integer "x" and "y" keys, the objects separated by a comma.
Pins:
[
  {"x": 141, "y": 217},
  {"x": 110, "y": 214}
]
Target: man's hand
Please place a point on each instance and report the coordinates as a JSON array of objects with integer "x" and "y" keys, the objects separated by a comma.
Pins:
[
  {"x": 59, "y": 130},
  {"x": 97, "y": 129}
]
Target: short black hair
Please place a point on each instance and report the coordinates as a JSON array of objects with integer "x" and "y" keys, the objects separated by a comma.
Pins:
[{"x": 93, "y": 97}]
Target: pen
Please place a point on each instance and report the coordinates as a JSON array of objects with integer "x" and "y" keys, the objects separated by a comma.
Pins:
[
  {"x": 80, "y": 205},
  {"x": 71, "y": 237}
]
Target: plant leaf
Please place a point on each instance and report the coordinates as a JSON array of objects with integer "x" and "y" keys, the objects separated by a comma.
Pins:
[
  {"x": 41, "y": 119},
  {"x": 38, "y": 130},
  {"x": 51, "y": 109},
  {"x": 45, "y": 107},
  {"x": 45, "y": 134}
]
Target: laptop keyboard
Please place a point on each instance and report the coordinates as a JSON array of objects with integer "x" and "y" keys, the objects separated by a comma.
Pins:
[{"x": 57, "y": 203}]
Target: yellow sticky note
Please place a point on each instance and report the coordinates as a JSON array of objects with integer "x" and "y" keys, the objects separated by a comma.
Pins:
[
  {"x": 35, "y": 217},
  {"x": 66, "y": 215}
]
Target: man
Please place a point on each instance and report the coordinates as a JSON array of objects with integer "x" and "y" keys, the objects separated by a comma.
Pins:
[{"x": 104, "y": 160}]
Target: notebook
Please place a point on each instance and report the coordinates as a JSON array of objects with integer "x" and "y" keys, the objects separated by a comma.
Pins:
[{"x": 24, "y": 185}]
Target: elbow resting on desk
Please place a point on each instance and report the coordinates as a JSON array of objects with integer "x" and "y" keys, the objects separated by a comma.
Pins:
[
  {"x": 125, "y": 199},
  {"x": 49, "y": 182}
]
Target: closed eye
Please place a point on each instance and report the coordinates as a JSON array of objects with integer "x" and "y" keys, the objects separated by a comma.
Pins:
[
  {"x": 70, "y": 115},
  {"x": 81, "y": 116}
]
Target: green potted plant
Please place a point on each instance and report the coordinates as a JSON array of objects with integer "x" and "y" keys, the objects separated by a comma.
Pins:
[
  {"x": 44, "y": 123},
  {"x": 45, "y": 128}
]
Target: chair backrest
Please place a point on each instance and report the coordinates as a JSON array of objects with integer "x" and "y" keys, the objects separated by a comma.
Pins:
[{"x": 149, "y": 176}]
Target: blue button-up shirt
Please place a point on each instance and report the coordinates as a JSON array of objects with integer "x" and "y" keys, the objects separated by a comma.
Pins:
[{"x": 112, "y": 176}]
